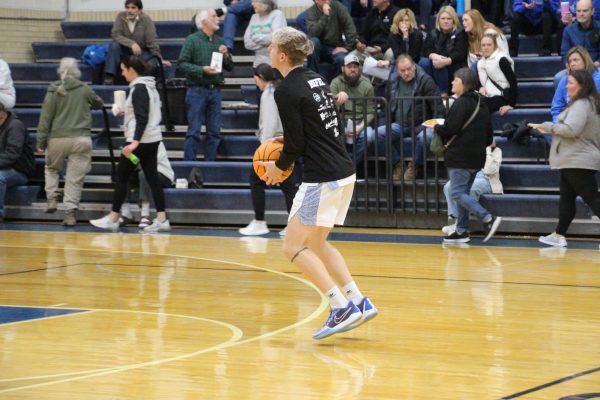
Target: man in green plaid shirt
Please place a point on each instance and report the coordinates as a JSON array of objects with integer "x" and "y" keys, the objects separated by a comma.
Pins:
[{"x": 203, "y": 96}]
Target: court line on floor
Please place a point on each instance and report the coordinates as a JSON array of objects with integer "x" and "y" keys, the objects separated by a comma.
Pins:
[{"x": 324, "y": 304}]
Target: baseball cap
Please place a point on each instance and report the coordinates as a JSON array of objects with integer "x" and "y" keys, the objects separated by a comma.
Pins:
[{"x": 351, "y": 58}]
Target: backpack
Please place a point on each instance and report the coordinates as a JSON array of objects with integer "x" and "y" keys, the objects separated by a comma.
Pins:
[{"x": 95, "y": 54}]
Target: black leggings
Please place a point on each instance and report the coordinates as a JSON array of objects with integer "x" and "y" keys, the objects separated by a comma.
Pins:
[
  {"x": 146, "y": 152},
  {"x": 574, "y": 182},
  {"x": 257, "y": 188}
]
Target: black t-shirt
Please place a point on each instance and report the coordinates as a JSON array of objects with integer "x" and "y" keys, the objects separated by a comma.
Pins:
[{"x": 312, "y": 128}]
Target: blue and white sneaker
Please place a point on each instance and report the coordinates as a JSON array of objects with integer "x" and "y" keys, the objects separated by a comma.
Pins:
[
  {"x": 339, "y": 318},
  {"x": 368, "y": 311}
]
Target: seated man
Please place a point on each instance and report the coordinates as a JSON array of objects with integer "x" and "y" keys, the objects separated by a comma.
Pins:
[
  {"x": 584, "y": 32},
  {"x": 409, "y": 80},
  {"x": 7, "y": 88},
  {"x": 352, "y": 84},
  {"x": 133, "y": 33},
  {"x": 17, "y": 162},
  {"x": 235, "y": 11},
  {"x": 332, "y": 32}
]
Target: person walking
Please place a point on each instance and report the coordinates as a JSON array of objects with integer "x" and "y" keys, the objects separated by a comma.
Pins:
[
  {"x": 312, "y": 129},
  {"x": 575, "y": 152},
  {"x": 64, "y": 133}
]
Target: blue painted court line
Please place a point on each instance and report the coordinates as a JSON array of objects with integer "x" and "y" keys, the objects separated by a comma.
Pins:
[
  {"x": 10, "y": 314},
  {"x": 339, "y": 236}
]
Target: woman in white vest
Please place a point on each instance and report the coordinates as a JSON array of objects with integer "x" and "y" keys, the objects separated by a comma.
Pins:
[
  {"x": 497, "y": 76},
  {"x": 142, "y": 132}
]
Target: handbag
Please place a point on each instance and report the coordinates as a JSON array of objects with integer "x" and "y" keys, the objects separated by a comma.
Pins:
[{"x": 437, "y": 145}]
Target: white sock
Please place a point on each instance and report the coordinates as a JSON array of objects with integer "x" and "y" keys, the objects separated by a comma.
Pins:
[
  {"x": 145, "y": 208},
  {"x": 126, "y": 210},
  {"x": 353, "y": 293},
  {"x": 336, "y": 298}
]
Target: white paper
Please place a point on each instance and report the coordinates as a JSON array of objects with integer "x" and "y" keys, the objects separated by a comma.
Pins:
[
  {"x": 217, "y": 61},
  {"x": 119, "y": 99},
  {"x": 370, "y": 68}
]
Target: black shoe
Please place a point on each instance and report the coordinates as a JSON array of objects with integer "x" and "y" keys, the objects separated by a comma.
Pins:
[
  {"x": 457, "y": 237},
  {"x": 491, "y": 227}
]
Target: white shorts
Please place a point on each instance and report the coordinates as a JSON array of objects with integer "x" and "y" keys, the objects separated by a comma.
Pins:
[{"x": 323, "y": 204}]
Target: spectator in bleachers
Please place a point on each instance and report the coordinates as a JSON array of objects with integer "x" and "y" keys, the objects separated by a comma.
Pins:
[
  {"x": 409, "y": 80},
  {"x": 235, "y": 11},
  {"x": 492, "y": 9},
  {"x": 203, "y": 96},
  {"x": 577, "y": 58},
  {"x": 133, "y": 33},
  {"x": 584, "y": 32},
  {"x": 17, "y": 162},
  {"x": 466, "y": 132},
  {"x": 143, "y": 135},
  {"x": 266, "y": 20},
  {"x": 476, "y": 26},
  {"x": 166, "y": 178},
  {"x": 575, "y": 133},
  {"x": 497, "y": 76},
  {"x": 64, "y": 133},
  {"x": 569, "y": 16},
  {"x": 446, "y": 48},
  {"x": 7, "y": 88},
  {"x": 486, "y": 181},
  {"x": 352, "y": 84},
  {"x": 532, "y": 17},
  {"x": 269, "y": 127},
  {"x": 332, "y": 33},
  {"x": 405, "y": 36},
  {"x": 373, "y": 38}
]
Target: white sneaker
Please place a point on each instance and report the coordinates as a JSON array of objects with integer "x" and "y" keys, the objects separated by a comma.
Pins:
[
  {"x": 105, "y": 223},
  {"x": 255, "y": 228},
  {"x": 158, "y": 226},
  {"x": 554, "y": 239},
  {"x": 283, "y": 231},
  {"x": 448, "y": 229}
]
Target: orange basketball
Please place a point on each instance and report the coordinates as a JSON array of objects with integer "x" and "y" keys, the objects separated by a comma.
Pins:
[{"x": 269, "y": 151}]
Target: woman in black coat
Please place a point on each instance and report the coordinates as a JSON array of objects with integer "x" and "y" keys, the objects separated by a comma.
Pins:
[{"x": 466, "y": 133}]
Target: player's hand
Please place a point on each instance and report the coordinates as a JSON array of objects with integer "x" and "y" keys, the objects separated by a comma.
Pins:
[
  {"x": 277, "y": 139},
  {"x": 272, "y": 175}
]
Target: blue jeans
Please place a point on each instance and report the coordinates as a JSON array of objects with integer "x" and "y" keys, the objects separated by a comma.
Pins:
[
  {"x": 398, "y": 133},
  {"x": 420, "y": 143},
  {"x": 360, "y": 144},
  {"x": 481, "y": 185},
  {"x": 9, "y": 177},
  {"x": 203, "y": 107},
  {"x": 117, "y": 52},
  {"x": 323, "y": 53},
  {"x": 442, "y": 76},
  {"x": 461, "y": 181},
  {"x": 241, "y": 10}
]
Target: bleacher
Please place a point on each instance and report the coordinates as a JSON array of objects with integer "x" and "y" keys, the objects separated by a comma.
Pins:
[{"x": 529, "y": 205}]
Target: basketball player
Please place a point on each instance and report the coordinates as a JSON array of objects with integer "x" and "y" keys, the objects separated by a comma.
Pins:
[{"x": 312, "y": 130}]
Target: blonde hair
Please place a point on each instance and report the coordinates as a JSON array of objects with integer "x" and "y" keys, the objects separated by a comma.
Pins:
[
  {"x": 293, "y": 43},
  {"x": 399, "y": 16},
  {"x": 480, "y": 25},
  {"x": 585, "y": 55},
  {"x": 450, "y": 11},
  {"x": 492, "y": 37}
]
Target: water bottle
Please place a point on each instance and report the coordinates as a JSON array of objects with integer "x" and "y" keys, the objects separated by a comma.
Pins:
[{"x": 134, "y": 159}]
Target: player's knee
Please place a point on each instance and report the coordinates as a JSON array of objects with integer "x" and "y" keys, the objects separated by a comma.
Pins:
[{"x": 292, "y": 250}]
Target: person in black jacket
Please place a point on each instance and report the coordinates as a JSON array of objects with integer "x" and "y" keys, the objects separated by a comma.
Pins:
[
  {"x": 313, "y": 130},
  {"x": 16, "y": 158},
  {"x": 405, "y": 36},
  {"x": 466, "y": 132},
  {"x": 446, "y": 48},
  {"x": 373, "y": 39}
]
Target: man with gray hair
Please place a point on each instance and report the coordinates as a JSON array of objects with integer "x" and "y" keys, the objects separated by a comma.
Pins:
[
  {"x": 64, "y": 132},
  {"x": 204, "y": 79},
  {"x": 17, "y": 162}
]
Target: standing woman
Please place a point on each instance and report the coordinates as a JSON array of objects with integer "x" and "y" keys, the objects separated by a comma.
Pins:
[
  {"x": 497, "y": 77},
  {"x": 312, "y": 129},
  {"x": 64, "y": 132},
  {"x": 466, "y": 133},
  {"x": 575, "y": 152},
  {"x": 476, "y": 26},
  {"x": 446, "y": 48},
  {"x": 269, "y": 127},
  {"x": 142, "y": 132},
  {"x": 266, "y": 20}
]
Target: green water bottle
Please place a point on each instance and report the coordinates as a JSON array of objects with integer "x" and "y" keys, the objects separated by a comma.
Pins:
[{"x": 134, "y": 159}]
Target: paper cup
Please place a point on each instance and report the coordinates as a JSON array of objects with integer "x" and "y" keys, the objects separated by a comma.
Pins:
[{"x": 119, "y": 99}]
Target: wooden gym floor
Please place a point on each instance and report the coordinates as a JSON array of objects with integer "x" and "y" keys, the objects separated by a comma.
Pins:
[{"x": 205, "y": 314}]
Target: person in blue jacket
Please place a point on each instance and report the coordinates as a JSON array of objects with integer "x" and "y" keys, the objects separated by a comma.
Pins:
[{"x": 533, "y": 17}]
